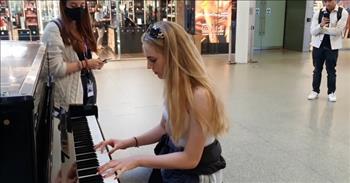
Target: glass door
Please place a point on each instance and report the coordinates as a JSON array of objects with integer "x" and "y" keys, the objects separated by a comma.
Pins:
[
  {"x": 48, "y": 10},
  {"x": 5, "y": 20},
  {"x": 269, "y": 24},
  {"x": 129, "y": 21}
]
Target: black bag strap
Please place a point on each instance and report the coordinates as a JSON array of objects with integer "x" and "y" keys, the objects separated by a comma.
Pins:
[
  {"x": 320, "y": 15},
  {"x": 59, "y": 24},
  {"x": 339, "y": 13}
]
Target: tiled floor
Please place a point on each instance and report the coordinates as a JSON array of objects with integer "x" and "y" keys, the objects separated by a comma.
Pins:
[
  {"x": 276, "y": 134},
  {"x": 346, "y": 43}
]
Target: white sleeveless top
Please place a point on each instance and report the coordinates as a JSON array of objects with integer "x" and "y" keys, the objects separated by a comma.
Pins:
[
  {"x": 216, "y": 177},
  {"x": 183, "y": 140}
]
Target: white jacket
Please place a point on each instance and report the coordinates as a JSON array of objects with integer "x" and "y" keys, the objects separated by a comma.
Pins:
[
  {"x": 68, "y": 88},
  {"x": 335, "y": 29}
]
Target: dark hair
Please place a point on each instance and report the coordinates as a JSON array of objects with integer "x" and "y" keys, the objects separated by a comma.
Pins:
[
  {"x": 337, "y": 1},
  {"x": 98, "y": 5},
  {"x": 83, "y": 31}
]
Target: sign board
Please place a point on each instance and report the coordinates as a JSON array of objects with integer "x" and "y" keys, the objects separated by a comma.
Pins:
[{"x": 268, "y": 11}]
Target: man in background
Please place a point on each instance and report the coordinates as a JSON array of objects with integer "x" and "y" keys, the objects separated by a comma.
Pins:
[
  {"x": 326, "y": 29},
  {"x": 99, "y": 24}
]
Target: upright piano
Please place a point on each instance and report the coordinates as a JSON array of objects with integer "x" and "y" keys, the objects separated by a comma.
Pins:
[
  {"x": 21, "y": 102},
  {"x": 36, "y": 146}
]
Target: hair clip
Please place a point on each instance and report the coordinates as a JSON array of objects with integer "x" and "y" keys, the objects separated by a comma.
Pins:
[{"x": 155, "y": 33}]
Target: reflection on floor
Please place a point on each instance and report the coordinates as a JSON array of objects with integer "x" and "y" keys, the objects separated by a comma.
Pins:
[
  {"x": 276, "y": 134},
  {"x": 108, "y": 53}
]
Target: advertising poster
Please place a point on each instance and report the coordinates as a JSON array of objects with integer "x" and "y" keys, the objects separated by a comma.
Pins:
[
  {"x": 213, "y": 20},
  {"x": 346, "y": 5}
]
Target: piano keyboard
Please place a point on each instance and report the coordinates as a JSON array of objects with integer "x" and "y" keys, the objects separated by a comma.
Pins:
[{"x": 86, "y": 133}]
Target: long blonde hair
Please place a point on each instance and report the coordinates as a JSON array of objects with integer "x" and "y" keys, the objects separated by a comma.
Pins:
[{"x": 184, "y": 71}]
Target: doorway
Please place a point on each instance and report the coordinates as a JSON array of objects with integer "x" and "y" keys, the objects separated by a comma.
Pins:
[{"x": 269, "y": 24}]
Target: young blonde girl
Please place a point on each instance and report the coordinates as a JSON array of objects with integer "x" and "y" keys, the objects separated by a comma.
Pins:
[{"x": 192, "y": 119}]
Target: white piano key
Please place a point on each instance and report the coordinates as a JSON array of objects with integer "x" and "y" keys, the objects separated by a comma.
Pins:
[
  {"x": 94, "y": 130},
  {"x": 97, "y": 137},
  {"x": 102, "y": 158}
]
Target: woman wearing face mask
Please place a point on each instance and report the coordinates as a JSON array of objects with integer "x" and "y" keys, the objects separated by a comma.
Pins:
[{"x": 70, "y": 42}]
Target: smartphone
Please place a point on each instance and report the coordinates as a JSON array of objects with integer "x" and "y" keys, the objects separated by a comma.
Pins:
[
  {"x": 326, "y": 14},
  {"x": 105, "y": 60}
]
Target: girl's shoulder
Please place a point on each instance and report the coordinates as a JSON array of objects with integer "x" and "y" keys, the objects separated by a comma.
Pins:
[
  {"x": 55, "y": 25},
  {"x": 201, "y": 99},
  {"x": 200, "y": 93},
  {"x": 52, "y": 27},
  {"x": 52, "y": 34}
]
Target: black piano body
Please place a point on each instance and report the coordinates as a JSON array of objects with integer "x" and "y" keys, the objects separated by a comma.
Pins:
[
  {"x": 35, "y": 146},
  {"x": 24, "y": 113}
]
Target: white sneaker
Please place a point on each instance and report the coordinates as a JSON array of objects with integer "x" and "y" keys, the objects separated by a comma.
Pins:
[
  {"x": 332, "y": 97},
  {"x": 312, "y": 96}
]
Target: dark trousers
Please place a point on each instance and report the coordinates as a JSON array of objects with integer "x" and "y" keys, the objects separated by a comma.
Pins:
[{"x": 320, "y": 56}]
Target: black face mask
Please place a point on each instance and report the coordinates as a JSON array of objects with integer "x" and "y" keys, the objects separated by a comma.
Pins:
[{"x": 74, "y": 13}]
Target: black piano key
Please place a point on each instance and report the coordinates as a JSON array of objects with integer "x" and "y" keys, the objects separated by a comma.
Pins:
[
  {"x": 84, "y": 150},
  {"x": 79, "y": 133},
  {"x": 82, "y": 146},
  {"x": 80, "y": 126},
  {"x": 82, "y": 138},
  {"x": 87, "y": 164},
  {"x": 91, "y": 179},
  {"x": 82, "y": 143},
  {"x": 86, "y": 156},
  {"x": 80, "y": 130},
  {"x": 78, "y": 123},
  {"x": 78, "y": 119},
  {"x": 82, "y": 133},
  {"x": 85, "y": 172}
]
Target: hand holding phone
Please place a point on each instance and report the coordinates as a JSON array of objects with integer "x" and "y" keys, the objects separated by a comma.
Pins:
[
  {"x": 325, "y": 19},
  {"x": 105, "y": 60}
]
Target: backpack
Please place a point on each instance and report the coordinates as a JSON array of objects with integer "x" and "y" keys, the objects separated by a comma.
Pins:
[{"x": 339, "y": 12}]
